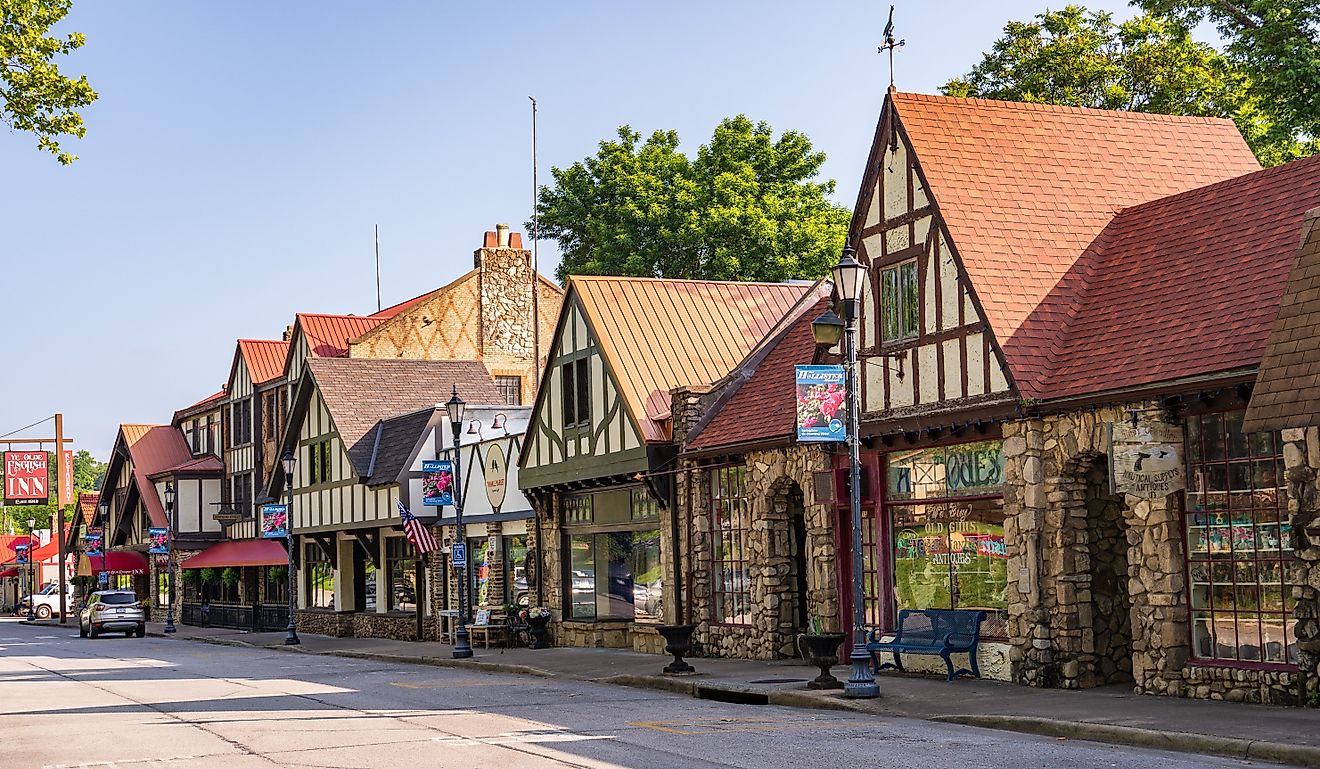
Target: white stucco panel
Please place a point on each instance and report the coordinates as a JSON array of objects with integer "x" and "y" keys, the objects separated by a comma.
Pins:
[
  {"x": 950, "y": 290},
  {"x": 895, "y": 179},
  {"x": 951, "y": 349},
  {"x": 975, "y": 364},
  {"x": 928, "y": 361}
]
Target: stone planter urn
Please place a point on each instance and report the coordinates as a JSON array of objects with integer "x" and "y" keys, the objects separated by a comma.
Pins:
[
  {"x": 537, "y": 627},
  {"x": 678, "y": 640},
  {"x": 822, "y": 650}
]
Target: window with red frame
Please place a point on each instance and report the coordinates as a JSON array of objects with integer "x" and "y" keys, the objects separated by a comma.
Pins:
[
  {"x": 731, "y": 579},
  {"x": 1239, "y": 545}
]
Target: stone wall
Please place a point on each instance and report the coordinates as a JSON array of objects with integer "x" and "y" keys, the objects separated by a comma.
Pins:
[
  {"x": 1301, "y": 456},
  {"x": 325, "y": 622},
  {"x": 774, "y": 483}
]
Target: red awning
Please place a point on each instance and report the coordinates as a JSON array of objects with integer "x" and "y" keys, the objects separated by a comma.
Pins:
[
  {"x": 115, "y": 562},
  {"x": 247, "y": 552},
  {"x": 9, "y": 573}
]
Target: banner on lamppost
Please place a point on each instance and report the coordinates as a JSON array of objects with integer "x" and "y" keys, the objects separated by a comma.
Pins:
[
  {"x": 820, "y": 401},
  {"x": 158, "y": 539},
  {"x": 437, "y": 482},
  {"x": 27, "y": 478},
  {"x": 274, "y": 521},
  {"x": 21, "y": 553},
  {"x": 92, "y": 543}
]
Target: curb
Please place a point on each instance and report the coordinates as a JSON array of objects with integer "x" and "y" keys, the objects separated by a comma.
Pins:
[
  {"x": 1113, "y": 734},
  {"x": 1180, "y": 742}
]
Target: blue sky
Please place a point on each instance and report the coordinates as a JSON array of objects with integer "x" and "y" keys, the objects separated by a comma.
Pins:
[{"x": 240, "y": 154}]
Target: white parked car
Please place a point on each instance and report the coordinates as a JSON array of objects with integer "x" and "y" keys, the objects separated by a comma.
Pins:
[{"x": 47, "y": 601}]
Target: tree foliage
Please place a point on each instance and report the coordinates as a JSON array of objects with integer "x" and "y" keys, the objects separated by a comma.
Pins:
[
  {"x": 747, "y": 207},
  {"x": 35, "y": 96},
  {"x": 1147, "y": 64},
  {"x": 88, "y": 473}
]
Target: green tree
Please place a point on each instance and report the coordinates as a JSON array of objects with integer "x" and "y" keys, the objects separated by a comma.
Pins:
[
  {"x": 88, "y": 473},
  {"x": 1146, "y": 64},
  {"x": 747, "y": 207},
  {"x": 1276, "y": 43},
  {"x": 34, "y": 95}
]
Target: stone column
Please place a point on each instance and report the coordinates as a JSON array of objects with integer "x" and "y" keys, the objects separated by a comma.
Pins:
[
  {"x": 1301, "y": 456},
  {"x": 1024, "y": 537}
]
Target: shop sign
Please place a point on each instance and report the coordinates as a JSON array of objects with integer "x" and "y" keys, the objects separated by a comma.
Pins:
[
  {"x": 1146, "y": 460},
  {"x": 158, "y": 539},
  {"x": 437, "y": 482},
  {"x": 960, "y": 470},
  {"x": 226, "y": 517},
  {"x": 497, "y": 474},
  {"x": 27, "y": 478},
  {"x": 974, "y": 466},
  {"x": 66, "y": 479},
  {"x": 820, "y": 404},
  {"x": 274, "y": 521}
]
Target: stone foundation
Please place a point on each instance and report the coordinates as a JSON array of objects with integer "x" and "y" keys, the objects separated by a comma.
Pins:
[
  {"x": 1238, "y": 685},
  {"x": 324, "y": 622}
]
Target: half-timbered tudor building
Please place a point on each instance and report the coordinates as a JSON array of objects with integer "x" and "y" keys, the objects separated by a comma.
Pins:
[
  {"x": 255, "y": 412},
  {"x": 145, "y": 459},
  {"x": 1055, "y": 293},
  {"x": 599, "y": 454},
  {"x": 348, "y": 419}
]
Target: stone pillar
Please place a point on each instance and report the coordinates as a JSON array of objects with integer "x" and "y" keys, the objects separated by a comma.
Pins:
[
  {"x": 1024, "y": 538},
  {"x": 1301, "y": 456}
]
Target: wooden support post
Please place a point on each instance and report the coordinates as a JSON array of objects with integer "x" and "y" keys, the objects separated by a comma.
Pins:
[{"x": 59, "y": 508}]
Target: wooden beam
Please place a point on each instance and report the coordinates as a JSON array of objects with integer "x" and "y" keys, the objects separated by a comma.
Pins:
[{"x": 36, "y": 440}]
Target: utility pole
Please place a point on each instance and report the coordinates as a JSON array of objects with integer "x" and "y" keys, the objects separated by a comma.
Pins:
[{"x": 59, "y": 508}]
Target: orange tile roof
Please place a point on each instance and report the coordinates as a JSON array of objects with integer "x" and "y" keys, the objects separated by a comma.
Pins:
[
  {"x": 264, "y": 358},
  {"x": 1182, "y": 286},
  {"x": 87, "y": 506},
  {"x": 1025, "y": 188},
  {"x": 657, "y": 334},
  {"x": 328, "y": 335}
]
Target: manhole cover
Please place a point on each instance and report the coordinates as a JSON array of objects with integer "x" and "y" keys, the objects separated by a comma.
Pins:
[{"x": 779, "y": 681}]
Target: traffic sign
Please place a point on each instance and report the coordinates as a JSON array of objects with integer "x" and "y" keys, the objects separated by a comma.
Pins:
[{"x": 458, "y": 554}]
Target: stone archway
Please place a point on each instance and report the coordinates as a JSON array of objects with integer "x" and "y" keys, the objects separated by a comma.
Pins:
[
  {"x": 1093, "y": 635},
  {"x": 786, "y": 578}
]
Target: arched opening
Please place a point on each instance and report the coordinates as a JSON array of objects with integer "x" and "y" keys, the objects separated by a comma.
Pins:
[
  {"x": 789, "y": 558},
  {"x": 1111, "y": 601}
]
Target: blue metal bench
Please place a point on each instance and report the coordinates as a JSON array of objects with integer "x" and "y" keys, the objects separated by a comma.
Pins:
[{"x": 931, "y": 631}]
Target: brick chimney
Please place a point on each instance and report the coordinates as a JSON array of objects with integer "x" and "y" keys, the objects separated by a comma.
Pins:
[{"x": 506, "y": 279}]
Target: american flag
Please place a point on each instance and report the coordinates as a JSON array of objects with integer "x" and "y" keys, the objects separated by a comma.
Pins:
[{"x": 416, "y": 533}]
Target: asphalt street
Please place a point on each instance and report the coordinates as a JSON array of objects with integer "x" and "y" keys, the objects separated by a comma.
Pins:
[{"x": 161, "y": 703}]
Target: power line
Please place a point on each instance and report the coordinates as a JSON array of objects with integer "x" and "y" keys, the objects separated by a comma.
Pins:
[{"x": 29, "y": 427}]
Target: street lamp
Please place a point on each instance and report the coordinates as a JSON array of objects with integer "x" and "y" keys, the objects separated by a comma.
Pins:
[
  {"x": 455, "y": 406},
  {"x": 101, "y": 579},
  {"x": 169, "y": 557},
  {"x": 32, "y": 525},
  {"x": 290, "y": 462},
  {"x": 849, "y": 277}
]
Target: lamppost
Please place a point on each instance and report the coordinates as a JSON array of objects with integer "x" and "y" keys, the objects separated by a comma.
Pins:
[
  {"x": 101, "y": 579},
  {"x": 455, "y": 406},
  {"x": 290, "y": 462},
  {"x": 169, "y": 557},
  {"x": 32, "y": 525},
  {"x": 849, "y": 276}
]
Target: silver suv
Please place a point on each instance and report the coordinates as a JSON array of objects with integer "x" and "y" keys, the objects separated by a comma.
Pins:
[{"x": 112, "y": 610}]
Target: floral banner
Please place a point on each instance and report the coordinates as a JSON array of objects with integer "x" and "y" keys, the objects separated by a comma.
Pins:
[
  {"x": 93, "y": 543},
  {"x": 437, "y": 482},
  {"x": 274, "y": 521},
  {"x": 820, "y": 404},
  {"x": 159, "y": 540}
]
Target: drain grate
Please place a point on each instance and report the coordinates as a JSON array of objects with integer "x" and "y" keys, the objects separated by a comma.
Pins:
[{"x": 779, "y": 681}]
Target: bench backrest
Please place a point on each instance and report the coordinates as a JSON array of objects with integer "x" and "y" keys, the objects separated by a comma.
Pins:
[{"x": 920, "y": 626}]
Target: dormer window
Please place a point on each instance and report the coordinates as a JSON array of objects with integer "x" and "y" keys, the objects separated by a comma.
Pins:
[{"x": 900, "y": 302}]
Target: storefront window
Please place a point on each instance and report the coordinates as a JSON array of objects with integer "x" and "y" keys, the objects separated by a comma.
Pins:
[
  {"x": 946, "y": 512},
  {"x": 276, "y": 588},
  {"x": 515, "y": 570},
  {"x": 162, "y": 589},
  {"x": 614, "y": 568},
  {"x": 401, "y": 565},
  {"x": 731, "y": 526},
  {"x": 1239, "y": 546},
  {"x": 368, "y": 585},
  {"x": 320, "y": 579},
  {"x": 480, "y": 561}
]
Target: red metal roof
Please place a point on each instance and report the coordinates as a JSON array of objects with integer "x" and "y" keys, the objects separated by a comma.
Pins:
[
  {"x": 160, "y": 448},
  {"x": 328, "y": 335},
  {"x": 264, "y": 358},
  {"x": 765, "y": 405},
  {"x": 1025, "y": 188},
  {"x": 1182, "y": 286},
  {"x": 203, "y": 464},
  {"x": 391, "y": 311},
  {"x": 249, "y": 552}
]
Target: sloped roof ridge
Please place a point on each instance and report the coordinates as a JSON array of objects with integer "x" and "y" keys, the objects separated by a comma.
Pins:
[
  {"x": 652, "y": 279},
  {"x": 1058, "y": 108},
  {"x": 1247, "y": 178}
]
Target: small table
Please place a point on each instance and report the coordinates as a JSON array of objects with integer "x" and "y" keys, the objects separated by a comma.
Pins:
[{"x": 448, "y": 625}]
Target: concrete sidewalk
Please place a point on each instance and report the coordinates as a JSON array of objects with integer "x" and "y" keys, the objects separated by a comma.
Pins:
[{"x": 1110, "y": 714}]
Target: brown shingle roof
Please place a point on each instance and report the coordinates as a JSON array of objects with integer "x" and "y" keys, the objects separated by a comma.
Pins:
[
  {"x": 359, "y": 392},
  {"x": 657, "y": 334},
  {"x": 1025, "y": 188},
  {"x": 1287, "y": 392},
  {"x": 1183, "y": 286}
]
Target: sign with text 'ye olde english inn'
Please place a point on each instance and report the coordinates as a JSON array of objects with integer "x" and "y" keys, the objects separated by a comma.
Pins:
[
  {"x": 27, "y": 478},
  {"x": 1146, "y": 460}
]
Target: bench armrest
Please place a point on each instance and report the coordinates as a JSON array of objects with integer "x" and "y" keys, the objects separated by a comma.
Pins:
[{"x": 960, "y": 639}]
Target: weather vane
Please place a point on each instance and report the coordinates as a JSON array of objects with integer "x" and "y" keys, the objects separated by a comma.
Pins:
[{"x": 890, "y": 44}]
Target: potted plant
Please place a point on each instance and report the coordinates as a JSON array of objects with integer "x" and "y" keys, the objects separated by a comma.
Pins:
[
  {"x": 678, "y": 642},
  {"x": 538, "y": 620},
  {"x": 822, "y": 650}
]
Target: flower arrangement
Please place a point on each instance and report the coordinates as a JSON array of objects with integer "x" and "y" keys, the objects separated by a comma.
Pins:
[
  {"x": 274, "y": 524},
  {"x": 817, "y": 403},
  {"x": 534, "y": 612},
  {"x": 159, "y": 541},
  {"x": 437, "y": 484}
]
